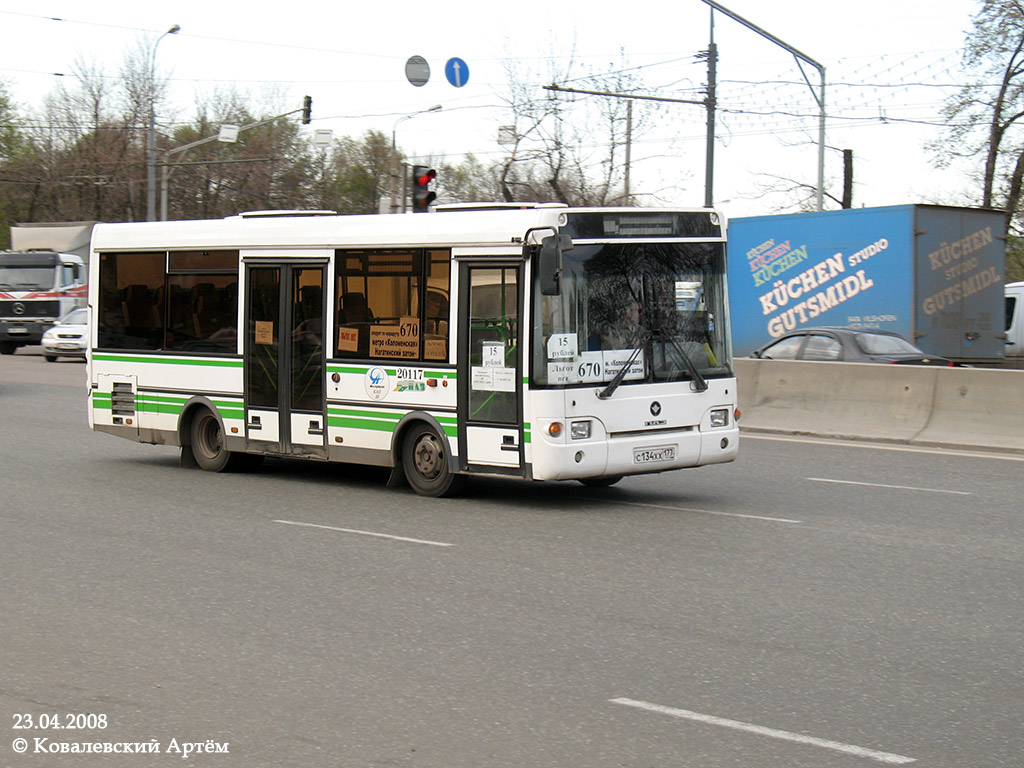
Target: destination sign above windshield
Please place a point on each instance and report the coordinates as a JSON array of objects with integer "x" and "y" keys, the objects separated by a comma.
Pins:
[{"x": 599, "y": 225}]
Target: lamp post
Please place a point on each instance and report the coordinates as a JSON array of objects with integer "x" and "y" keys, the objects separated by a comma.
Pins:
[
  {"x": 151, "y": 143},
  {"x": 394, "y": 157},
  {"x": 818, "y": 97}
]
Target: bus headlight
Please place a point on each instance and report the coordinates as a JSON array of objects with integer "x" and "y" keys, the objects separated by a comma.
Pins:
[
  {"x": 720, "y": 417},
  {"x": 580, "y": 430}
]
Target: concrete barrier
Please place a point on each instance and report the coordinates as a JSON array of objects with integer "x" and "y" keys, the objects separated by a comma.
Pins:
[
  {"x": 920, "y": 405},
  {"x": 977, "y": 406}
]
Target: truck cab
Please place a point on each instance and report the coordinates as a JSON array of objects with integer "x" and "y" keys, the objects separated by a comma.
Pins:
[{"x": 37, "y": 287}]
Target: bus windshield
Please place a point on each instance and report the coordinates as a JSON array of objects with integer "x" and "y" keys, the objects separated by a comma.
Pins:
[{"x": 634, "y": 312}]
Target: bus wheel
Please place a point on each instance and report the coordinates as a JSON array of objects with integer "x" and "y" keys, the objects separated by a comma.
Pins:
[
  {"x": 425, "y": 460},
  {"x": 208, "y": 444},
  {"x": 7, "y": 347},
  {"x": 600, "y": 482}
]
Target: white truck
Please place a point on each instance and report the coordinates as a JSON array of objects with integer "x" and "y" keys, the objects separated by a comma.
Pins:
[{"x": 42, "y": 278}]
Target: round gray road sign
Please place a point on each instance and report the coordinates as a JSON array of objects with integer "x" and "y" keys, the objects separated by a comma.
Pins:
[{"x": 417, "y": 70}]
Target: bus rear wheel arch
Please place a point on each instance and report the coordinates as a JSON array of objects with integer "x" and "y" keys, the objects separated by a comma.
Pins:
[{"x": 206, "y": 443}]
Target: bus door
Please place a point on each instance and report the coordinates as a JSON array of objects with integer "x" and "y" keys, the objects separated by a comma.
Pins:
[
  {"x": 490, "y": 366},
  {"x": 285, "y": 412}
]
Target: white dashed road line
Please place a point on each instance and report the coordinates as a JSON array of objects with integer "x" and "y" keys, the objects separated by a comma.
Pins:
[
  {"x": 799, "y": 738},
  {"x": 367, "y": 533},
  {"x": 895, "y": 487}
]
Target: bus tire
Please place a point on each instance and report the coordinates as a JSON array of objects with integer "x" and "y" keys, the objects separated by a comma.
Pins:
[
  {"x": 600, "y": 482},
  {"x": 425, "y": 461},
  {"x": 7, "y": 347},
  {"x": 207, "y": 443}
]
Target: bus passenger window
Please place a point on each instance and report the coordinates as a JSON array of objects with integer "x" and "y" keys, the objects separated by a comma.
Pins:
[
  {"x": 393, "y": 305},
  {"x": 131, "y": 303}
]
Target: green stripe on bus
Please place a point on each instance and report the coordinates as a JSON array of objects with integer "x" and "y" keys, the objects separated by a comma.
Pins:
[
  {"x": 149, "y": 403},
  {"x": 345, "y": 369},
  {"x": 378, "y": 425},
  {"x": 354, "y": 423},
  {"x": 167, "y": 360},
  {"x": 390, "y": 415},
  {"x": 381, "y": 421}
]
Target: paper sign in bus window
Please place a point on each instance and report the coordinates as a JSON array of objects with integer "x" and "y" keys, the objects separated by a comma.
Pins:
[
  {"x": 492, "y": 378},
  {"x": 435, "y": 349},
  {"x": 402, "y": 340},
  {"x": 264, "y": 332},
  {"x": 562, "y": 346},
  {"x": 348, "y": 339},
  {"x": 493, "y": 354}
]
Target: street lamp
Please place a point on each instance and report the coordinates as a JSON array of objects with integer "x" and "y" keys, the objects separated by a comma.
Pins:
[
  {"x": 818, "y": 97},
  {"x": 394, "y": 156},
  {"x": 151, "y": 143}
]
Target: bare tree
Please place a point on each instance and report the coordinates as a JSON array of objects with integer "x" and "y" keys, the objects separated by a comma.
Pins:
[
  {"x": 570, "y": 144},
  {"x": 985, "y": 115}
]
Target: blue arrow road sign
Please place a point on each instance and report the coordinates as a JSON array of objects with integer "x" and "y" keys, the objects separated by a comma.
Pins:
[{"x": 457, "y": 72}]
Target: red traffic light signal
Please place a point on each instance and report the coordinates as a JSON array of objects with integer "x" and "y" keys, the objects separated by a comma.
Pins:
[{"x": 422, "y": 196}]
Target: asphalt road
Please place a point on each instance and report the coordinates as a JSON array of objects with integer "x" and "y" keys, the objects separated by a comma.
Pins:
[{"x": 814, "y": 604}]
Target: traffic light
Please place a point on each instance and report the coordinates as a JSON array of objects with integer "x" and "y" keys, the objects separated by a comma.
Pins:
[
  {"x": 422, "y": 196},
  {"x": 307, "y": 109}
]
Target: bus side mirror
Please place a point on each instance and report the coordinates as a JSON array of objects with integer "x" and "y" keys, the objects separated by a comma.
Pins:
[{"x": 549, "y": 263}]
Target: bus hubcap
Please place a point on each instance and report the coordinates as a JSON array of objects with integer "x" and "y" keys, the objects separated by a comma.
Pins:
[
  {"x": 211, "y": 441},
  {"x": 428, "y": 457}
]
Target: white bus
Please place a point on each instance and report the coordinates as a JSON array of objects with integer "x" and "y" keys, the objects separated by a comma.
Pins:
[{"x": 540, "y": 341}]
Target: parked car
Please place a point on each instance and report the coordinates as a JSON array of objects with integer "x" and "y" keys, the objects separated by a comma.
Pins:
[
  {"x": 847, "y": 344},
  {"x": 68, "y": 337}
]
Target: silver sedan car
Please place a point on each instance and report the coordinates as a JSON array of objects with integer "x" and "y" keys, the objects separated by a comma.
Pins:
[{"x": 68, "y": 338}]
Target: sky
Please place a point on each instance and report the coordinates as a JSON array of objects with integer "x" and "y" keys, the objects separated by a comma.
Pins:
[{"x": 889, "y": 66}]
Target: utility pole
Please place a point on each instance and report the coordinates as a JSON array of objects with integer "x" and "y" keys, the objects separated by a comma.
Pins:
[
  {"x": 819, "y": 97},
  {"x": 709, "y": 152},
  {"x": 847, "y": 178}
]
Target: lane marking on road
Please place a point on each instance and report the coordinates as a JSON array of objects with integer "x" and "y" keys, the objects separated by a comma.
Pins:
[
  {"x": 896, "y": 487},
  {"x": 367, "y": 533},
  {"x": 799, "y": 738},
  {"x": 700, "y": 511}
]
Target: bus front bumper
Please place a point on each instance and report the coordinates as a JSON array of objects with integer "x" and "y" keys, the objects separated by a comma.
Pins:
[{"x": 634, "y": 454}]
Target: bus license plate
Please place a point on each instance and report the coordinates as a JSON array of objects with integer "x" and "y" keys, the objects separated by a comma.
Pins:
[
  {"x": 18, "y": 330},
  {"x": 654, "y": 455}
]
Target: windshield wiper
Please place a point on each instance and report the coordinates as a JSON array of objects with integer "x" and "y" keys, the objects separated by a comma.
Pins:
[
  {"x": 700, "y": 383},
  {"x": 608, "y": 391}
]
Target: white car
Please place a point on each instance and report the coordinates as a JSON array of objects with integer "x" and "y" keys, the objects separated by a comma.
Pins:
[{"x": 68, "y": 337}]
